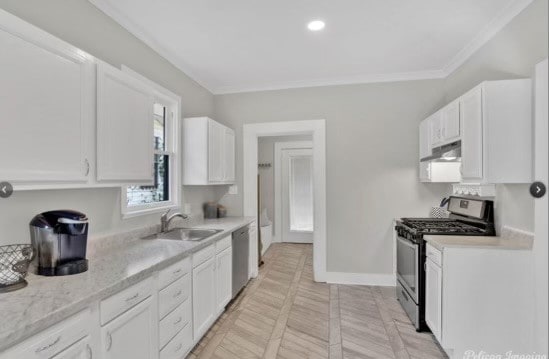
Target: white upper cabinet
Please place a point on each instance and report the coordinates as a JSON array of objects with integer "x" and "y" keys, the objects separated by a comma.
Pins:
[
  {"x": 435, "y": 121},
  {"x": 208, "y": 152},
  {"x": 230, "y": 160},
  {"x": 497, "y": 132},
  {"x": 445, "y": 125},
  {"x": 46, "y": 105},
  {"x": 494, "y": 123},
  {"x": 124, "y": 127},
  {"x": 424, "y": 149},
  {"x": 451, "y": 127},
  {"x": 471, "y": 150},
  {"x": 216, "y": 142}
]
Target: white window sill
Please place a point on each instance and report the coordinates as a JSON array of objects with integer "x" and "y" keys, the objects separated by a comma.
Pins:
[{"x": 146, "y": 210}]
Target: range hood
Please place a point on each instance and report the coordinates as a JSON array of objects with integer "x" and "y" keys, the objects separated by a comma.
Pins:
[{"x": 450, "y": 152}]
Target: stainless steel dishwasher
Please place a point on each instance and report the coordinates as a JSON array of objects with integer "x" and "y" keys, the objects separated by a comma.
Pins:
[{"x": 241, "y": 255}]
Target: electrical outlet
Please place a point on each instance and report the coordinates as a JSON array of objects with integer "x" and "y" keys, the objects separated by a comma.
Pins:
[{"x": 233, "y": 189}]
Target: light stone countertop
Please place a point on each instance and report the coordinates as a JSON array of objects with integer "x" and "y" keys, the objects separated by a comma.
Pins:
[
  {"x": 509, "y": 239},
  {"x": 48, "y": 300}
]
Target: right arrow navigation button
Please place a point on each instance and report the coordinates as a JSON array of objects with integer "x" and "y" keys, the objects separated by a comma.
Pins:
[{"x": 537, "y": 189}]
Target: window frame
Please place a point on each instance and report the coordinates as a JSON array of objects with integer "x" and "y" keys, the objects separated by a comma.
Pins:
[{"x": 172, "y": 103}]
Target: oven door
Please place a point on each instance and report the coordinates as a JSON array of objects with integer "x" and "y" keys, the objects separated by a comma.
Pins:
[{"x": 408, "y": 266}]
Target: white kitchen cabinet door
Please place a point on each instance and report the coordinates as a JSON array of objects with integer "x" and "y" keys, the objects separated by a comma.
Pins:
[
  {"x": 424, "y": 149},
  {"x": 204, "y": 288},
  {"x": 433, "y": 298},
  {"x": 472, "y": 137},
  {"x": 450, "y": 122},
  {"x": 208, "y": 152},
  {"x": 124, "y": 127},
  {"x": 229, "y": 154},
  {"x": 132, "y": 334},
  {"x": 82, "y": 349},
  {"x": 46, "y": 94},
  {"x": 216, "y": 149},
  {"x": 224, "y": 278},
  {"x": 436, "y": 129}
]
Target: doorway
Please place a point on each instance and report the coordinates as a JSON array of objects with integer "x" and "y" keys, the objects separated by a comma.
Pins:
[
  {"x": 317, "y": 130},
  {"x": 294, "y": 192}
]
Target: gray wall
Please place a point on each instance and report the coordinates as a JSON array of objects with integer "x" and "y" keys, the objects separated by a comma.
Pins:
[
  {"x": 372, "y": 143},
  {"x": 81, "y": 24},
  {"x": 512, "y": 53},
  {"x": 372, "y": 152}
]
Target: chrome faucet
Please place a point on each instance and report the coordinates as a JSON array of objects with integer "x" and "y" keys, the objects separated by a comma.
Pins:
[{"x": 165, "y": 220}]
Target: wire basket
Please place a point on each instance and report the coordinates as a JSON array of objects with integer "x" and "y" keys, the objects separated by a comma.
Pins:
[{"x": 14, "y": 264}]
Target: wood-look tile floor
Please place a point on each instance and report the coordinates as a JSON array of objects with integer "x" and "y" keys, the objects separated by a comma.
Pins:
[{"x": 284, "y": 314}]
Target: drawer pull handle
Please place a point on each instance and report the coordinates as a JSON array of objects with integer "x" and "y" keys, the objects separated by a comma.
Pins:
[
  {"x": 109, "y": 341},
  {"x": 89, "y": 350},
  {"x": 176, "y": 272},
  {"x": 178, "y": 347},
  {"x": 178, "y": 321},
  {"x": 177, "y": 294},
  {"x": 132, "y": 297},
  {"x": 45, "y": 347}
]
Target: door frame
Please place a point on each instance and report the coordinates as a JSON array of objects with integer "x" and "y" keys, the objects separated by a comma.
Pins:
[
  {"x": 278, "y": 148},
  {"x": 316, "y": 128}
]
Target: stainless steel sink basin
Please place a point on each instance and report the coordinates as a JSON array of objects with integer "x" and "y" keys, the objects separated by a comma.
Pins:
[{"x": 185, "y": 234}]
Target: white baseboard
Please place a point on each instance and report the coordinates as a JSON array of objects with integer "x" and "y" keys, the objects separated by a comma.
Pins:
[{"x": 384, "y": 280}]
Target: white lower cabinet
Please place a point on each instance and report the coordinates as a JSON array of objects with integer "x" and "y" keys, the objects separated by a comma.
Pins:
[
  {"x": 479, "y": 299},
  {"x": 180, "y": 345},
  {"x": 162, "y": 316},
  {"x": 433, "y": 297},
  {"x": 132, "y": 334},
  {"x": 55, "y": 339},
  {"x": 224, "y": 274},
  {"x": 204, "y": 287},
  {"x": 175, "y": 310}
]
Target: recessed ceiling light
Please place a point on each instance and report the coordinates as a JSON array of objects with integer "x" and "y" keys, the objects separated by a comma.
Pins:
[{"x": 316, "y": 25}]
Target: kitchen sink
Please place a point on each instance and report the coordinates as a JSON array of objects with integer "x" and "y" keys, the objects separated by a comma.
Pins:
[{"x": 185, "y": 234}]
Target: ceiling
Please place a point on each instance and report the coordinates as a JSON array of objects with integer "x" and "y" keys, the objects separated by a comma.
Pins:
[{"x": 251, "y": 45}]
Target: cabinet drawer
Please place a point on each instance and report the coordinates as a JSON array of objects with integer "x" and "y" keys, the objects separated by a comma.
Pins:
[
  {"x": 223, "y": 243},
  {"x": 79, "y": 350},
  {"x": 174, "y": 294},
  {"x": 179, "y": 345},
  {"x": 124, "y": 300},
  {"x": 54, "y": 339},
  {"x": 203, "y": 255},
  {"x": 174, "y": 322},
  {"x": 173, "y": 272},
  {"x": 434, "y": 254}
]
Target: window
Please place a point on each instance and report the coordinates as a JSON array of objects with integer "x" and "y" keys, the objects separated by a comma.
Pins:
[{"x": 163, "y": 193}]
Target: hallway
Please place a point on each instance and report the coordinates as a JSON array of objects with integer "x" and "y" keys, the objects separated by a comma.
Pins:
[{"x": 284, "y": 314}]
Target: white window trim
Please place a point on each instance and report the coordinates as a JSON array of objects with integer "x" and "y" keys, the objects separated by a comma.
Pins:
[{"x": 173, "y": 103}]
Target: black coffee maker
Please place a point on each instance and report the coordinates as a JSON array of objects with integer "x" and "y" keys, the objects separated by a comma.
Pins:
[{"x": 59, "y": 239}]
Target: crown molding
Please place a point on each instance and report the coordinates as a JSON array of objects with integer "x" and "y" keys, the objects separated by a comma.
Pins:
[
  {"x": 486, "y": 34},
  {"x": 335, "y": 81},
  {"x": 140, "y": 34}
]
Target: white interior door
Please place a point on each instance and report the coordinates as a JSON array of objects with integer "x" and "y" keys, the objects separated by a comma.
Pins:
[
  {"x": 541, "y": 206},
  {"x": 297, "y": 195}
]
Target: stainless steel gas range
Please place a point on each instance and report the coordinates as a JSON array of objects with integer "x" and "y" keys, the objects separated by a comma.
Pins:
[{"x": 468, "y": 217}]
